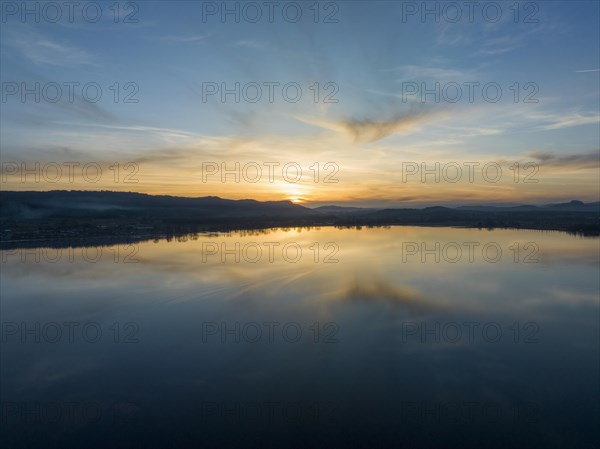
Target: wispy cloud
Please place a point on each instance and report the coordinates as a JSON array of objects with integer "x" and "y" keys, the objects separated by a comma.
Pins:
[
  {"x": 182, "y": 39},
  {"x": 428, "y": 72},
  {"x": 43, "y": 50},
  {"x": 576, "y": 161},
  {"x": 501, "y": 45},
  {"x": 380, "y": 291},
  {"x": 450, "y": 35},
  {"x": 249, "y": 44},
  {"x": 567, "y": 120},
  {"x": 164, "y": 132},
  {"x": 373, "y": 129},
  {"x": 49, "y": 113},
  {"x": 587, "y": 71}
]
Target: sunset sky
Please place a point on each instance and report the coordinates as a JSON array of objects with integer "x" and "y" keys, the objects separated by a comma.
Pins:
[{"x": 370, "y": 53}]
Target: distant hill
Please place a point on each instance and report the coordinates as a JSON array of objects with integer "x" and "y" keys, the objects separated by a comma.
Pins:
[
  {"x": 574, "y": 205},
  {"x": 345, "y": 210},
  {"x": 65, "y": 215},
  {"x": 107, "y": 204}
]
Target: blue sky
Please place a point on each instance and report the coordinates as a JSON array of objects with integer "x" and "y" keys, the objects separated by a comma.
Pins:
[{"x": 369, "y": 55}]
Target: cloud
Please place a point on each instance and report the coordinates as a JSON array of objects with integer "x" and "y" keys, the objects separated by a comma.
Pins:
[
  {"x": 380, "y": 291},
  {"x": 422, "y": 72},
  {"x": 577, "y": 161},
  {"x": 502, "y": 44},
  {"x": 587, "y": 71},
  {"x": 42, "y": 50},
  {"x": 70, "y": 104},
  {"x": 249, "y": 44},
  {"x": 452, "y": 36},
  {"x": 164, "y": 133},
  {"x": 371, "y": 130},
  {"x": 185, "y": 39},
  {"x": 568, "y": 120},
  {"x": 497, "y": 50}
]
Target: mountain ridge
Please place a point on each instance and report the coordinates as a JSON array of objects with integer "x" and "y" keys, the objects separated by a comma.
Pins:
[{"x": 33, "y": 215}]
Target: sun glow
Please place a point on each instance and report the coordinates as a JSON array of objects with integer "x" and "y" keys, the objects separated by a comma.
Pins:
[{"x": 295, "y": 193}]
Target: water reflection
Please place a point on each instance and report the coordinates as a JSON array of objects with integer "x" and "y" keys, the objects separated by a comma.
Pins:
[{"x": 403, "y": 336}]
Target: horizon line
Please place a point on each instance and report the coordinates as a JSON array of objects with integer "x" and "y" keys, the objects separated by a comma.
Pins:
[{"x": 359, "y": 204}]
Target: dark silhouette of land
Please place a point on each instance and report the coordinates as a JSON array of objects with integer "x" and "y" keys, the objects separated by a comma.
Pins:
[{"x": 30, "y": 219}]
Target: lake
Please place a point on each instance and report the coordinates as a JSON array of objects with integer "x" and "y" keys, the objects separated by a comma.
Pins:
[{"x": 339, "y": 338}]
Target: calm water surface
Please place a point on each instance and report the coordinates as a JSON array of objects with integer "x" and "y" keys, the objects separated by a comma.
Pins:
[{"x": 385, "y": 337}]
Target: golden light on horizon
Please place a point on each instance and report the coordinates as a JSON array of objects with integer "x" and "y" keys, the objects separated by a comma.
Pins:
[
  {"x": 296, "y": 193},
  {"x": 357, "y": 187}
]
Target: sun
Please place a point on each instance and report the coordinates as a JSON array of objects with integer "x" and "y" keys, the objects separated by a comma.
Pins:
[
  {"x": 296, "y": 199},
  {"x": 295, "y": 193},
  {"x": 295, "y": 196}
]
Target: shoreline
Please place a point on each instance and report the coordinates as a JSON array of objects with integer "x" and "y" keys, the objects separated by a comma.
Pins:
[{"x": 128, "y": 239}]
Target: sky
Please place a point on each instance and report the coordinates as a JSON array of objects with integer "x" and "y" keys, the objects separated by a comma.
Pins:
[{"x": 163, "y": 98}]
